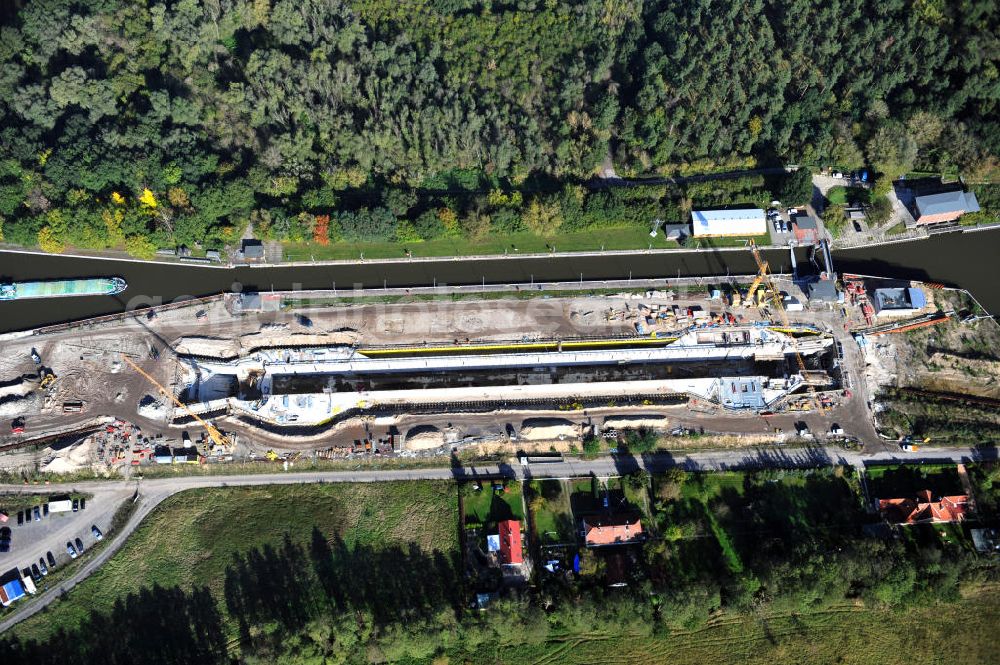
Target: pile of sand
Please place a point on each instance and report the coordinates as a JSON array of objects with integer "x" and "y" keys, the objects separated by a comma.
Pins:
[
  {"x": 548, "y": 429},
  {"x": 213, "y": 347},
  {"x": 649, "y": 421},
  {"x": 424, "y": 437},
  {"x": 71, "y": 458},
  {"x": 13, "y": 407}
]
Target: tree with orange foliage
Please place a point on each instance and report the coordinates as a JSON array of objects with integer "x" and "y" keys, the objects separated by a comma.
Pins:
[{"x": 321, "y": 229}]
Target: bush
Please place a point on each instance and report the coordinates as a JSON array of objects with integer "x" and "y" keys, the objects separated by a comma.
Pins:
[
  {"x": 641, "y": 440},
  {"x": 368, "y": 224}
]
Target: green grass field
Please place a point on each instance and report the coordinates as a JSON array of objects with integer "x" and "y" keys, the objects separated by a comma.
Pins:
[
  {"x": 900, "y": 481},
  {"x": 488, "y": 507},
  {"x": 939, "y": 634},
  {"x": 518, "y": 243},
  {"x": 191, "y": 538},
  {"x": 553, "y": 520},
  {"x": 844, "y": 195}
]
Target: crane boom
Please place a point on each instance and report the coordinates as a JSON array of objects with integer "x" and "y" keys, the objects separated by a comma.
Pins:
[
  {"x": 213, "y": 433},
  {"x": 780, "y": 307}
]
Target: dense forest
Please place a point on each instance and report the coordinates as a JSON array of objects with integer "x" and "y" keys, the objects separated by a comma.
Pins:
[{"x": 149, "y": 124}]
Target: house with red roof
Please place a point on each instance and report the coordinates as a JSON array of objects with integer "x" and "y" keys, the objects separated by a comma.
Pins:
[
  {"x": 601, "y": 530},
  {"x": 924, "y": 509},
  {"x": 510, "y": 542}
]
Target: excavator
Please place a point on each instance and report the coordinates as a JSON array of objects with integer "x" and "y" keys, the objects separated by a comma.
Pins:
[{"x": 217, "y": 437}]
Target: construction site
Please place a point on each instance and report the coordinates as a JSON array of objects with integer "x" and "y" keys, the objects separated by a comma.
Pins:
[{"x": 243, "y": 376}]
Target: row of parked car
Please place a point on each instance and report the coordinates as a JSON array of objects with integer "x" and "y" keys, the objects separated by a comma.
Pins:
[
  {"x": 74, "y": 549},
  {"x": 38, "y": 512}
]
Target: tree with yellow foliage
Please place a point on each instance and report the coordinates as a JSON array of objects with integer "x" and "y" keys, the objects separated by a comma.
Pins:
[
  {"x": 49, "y": 241},
  {"x": 113, "y": 222},
  {"x": 140, "y": 247},
  {"x": 148, "y": 199},
  {"x": 542, "y": 219}
]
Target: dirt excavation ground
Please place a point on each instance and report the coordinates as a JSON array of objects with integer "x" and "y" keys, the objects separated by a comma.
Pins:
[
  {"x": 952, "y": 357},
  {"x": 89, "y": 362}
]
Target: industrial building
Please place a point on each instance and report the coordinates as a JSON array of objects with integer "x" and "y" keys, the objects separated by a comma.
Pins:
[
  {"x": 944, "y": 206},
  {"x": 741, "y": 222},
  {"x": 898, "y": 301}
]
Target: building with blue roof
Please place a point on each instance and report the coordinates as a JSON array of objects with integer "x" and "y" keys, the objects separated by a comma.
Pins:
[
  {"x": 897, "y": 302},
  {"x": 945, "y": 206},
  {"x": 10, "y": 592}
]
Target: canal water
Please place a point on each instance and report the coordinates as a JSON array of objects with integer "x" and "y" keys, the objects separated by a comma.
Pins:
[{"x": 968, "y": 260}]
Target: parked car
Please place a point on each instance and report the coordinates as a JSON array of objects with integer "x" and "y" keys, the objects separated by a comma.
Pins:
[
  {"x": 79, "y": 545},
  {"x": 70, "y": 550},
  {"x": 777, "y": 227},
  {"x": 37, "y": 513},
  {"x": 97, "y": 532},
  {"x": 51, "y": 558},
  {"x": 76, "y": 505},
  {"x": 42, "y": 567},
  {"x": 5, "y": 539},
  {"x": 17, "y": 426},
  {"x": 20, "y": 517},
  {"x": 83, "y": 502},
  {"x": 37, "y": 358},
  {"x": 45, "y": 509},
  {"x": 35, "y": 574}
]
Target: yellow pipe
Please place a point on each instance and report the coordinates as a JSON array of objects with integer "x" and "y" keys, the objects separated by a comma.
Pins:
[{"x": 527, "y": 346}]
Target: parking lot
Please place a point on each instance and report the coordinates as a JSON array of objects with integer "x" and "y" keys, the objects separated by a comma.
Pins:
[{"x": 33, "y": 540}]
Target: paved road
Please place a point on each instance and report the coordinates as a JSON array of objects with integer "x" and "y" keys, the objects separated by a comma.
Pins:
[{"x": 152, "y": 492}]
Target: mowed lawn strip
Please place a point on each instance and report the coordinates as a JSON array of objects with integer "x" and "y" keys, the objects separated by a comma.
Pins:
[
  {"x": 517, "y": 243},
  {"x": 190, "y": 539}
]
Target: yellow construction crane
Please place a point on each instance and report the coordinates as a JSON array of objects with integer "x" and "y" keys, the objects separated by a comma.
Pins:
[
  {"x": 764, "y": 276},
  {"x": 214, "y": 434},
  {"x": 762, "y": 268}
]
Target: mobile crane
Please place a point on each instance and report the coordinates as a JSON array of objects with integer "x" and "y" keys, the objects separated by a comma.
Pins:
[{"x": 214, "y": 434}]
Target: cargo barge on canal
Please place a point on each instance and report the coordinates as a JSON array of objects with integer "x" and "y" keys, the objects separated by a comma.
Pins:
[{"x": 61, "y": 288}]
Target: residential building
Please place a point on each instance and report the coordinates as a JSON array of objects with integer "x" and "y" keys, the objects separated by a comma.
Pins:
[
  {"x": 806, "y": 228},
  {"x": 741, "y": 222},
  {"x": 601, "y": 530},
  {"x": 945, "y": 206},
  {"x": 924, "y": 508},
  {"x": 510, "y": 542},
  {"x": 252, "y": 251},
  {"x": 898, "y": 302}
]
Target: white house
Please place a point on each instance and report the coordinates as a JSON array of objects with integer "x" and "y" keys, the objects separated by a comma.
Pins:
[{"x": 743, "y": 222}]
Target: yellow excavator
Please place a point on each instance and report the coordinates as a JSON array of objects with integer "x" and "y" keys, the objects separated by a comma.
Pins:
[{"x": 214, "y": 434}]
